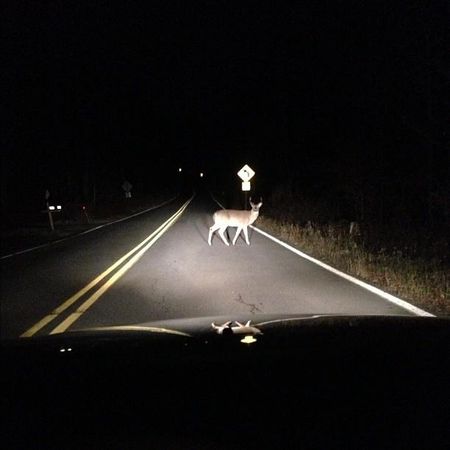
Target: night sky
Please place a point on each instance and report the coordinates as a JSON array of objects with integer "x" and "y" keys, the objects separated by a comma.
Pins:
[{"x": 328, "y": 96}]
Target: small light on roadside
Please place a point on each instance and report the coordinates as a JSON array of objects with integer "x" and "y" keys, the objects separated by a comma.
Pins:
[
  {"x": 51, "y": 208},
  {"x": 59, "y": 207},
  {"x": 180, "y": 169},
  {"x": 201, "y": 174},
  {"x": 248, "y": 340},
  {"x": 83, "y": 208}
]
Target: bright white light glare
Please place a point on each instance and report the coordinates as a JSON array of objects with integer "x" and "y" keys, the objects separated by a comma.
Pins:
[
  {"x": 51, "y": 208},
  {"x": 59, "y": 207},
  {"x": 201, "y": 174},
  {"x": 180, "y": 169},
  {"x": 248, "y": 340}
]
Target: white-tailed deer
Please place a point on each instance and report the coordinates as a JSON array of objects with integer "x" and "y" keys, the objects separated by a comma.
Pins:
[{"x": 234, "y": 218}]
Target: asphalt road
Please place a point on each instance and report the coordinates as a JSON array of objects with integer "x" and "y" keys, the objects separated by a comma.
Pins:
[{"x": 177, "y": 276}]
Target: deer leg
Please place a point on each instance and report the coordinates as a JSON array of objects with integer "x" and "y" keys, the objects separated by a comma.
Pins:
[
  {"x": 211, "y": 232},
  {"x": 222, "y": 235},
  {"x": 246, "y": 235},
  {"x": 238, "y": 232}
]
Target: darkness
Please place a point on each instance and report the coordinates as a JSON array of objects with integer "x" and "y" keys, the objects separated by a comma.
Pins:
[{"x": 344, "y": 102}]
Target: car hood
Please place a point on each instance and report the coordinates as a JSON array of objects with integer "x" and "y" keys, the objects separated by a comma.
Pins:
[{"x": 267, "y": 326}]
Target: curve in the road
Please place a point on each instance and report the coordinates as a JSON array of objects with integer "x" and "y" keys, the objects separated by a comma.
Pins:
[{"x": 389, "y": 297}]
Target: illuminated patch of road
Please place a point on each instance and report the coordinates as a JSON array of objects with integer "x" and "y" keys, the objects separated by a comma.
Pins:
[
  {"x": 144, "y": 246},
  {"x": 389, "y": 297}
]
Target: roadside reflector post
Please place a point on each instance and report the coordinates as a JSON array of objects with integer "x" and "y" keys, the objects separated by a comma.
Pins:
[
  {"x": 50, "y": 216},
  {"x": 50, "y": 209},
  {"x": 85, "y": 213},
  {"x": 127, "y": 186}
]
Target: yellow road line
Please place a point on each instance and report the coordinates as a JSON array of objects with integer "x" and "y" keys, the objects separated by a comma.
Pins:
[
  {"x": 63, "y": 326},
  {"x": 71, "y": 300}
]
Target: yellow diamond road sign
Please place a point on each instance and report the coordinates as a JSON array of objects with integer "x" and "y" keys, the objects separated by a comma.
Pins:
[{"x": 246, "y": 173}]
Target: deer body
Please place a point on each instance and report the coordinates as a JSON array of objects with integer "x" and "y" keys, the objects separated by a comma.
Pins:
[{"x": 234, "y": 218}]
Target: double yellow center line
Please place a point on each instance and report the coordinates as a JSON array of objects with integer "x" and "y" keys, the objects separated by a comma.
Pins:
[{"x": 132, "y": 256}]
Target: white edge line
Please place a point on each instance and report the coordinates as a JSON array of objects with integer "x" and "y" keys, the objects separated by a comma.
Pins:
[
  {"x": 47, "y": 244},
  {"x": 389, "y": 297},
  {"x": 217, "y": 201}
]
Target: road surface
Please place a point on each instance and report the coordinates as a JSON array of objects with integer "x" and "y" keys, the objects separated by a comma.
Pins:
[{"x": 159, "y": 266}]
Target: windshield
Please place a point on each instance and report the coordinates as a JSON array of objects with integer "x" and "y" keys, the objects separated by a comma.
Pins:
[{"x": 222, "y": 159}]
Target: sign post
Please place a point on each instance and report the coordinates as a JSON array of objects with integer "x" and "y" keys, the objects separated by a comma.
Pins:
[
  {"x": 127, "y": 186},
  {"x": 49, "y": 211},
  {"x": 85, "y": 213},
  {"x": 246, "y": 174}
]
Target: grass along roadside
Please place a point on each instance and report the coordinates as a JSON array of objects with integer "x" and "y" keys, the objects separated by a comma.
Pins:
[{"x": 422, "y": 282}]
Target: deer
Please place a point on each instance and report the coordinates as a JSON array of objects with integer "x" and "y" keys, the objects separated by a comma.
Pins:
[{"x": 241, "y": 219}]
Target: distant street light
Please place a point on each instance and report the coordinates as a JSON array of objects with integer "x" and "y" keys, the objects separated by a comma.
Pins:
[
  {"x": 180, "y": 169},
  {"x": 201, "y": 174}
]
